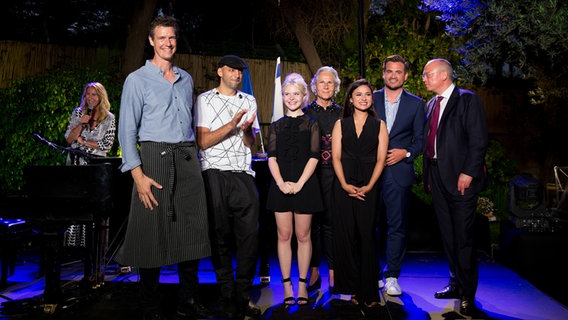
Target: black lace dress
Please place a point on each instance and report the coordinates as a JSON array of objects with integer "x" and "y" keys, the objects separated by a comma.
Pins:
[{"x": 293, "y": 141}]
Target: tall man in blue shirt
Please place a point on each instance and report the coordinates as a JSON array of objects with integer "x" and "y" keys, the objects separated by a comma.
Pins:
[
  {"x": 404, "y": 114},
  {"x": 168, "y": 212}
]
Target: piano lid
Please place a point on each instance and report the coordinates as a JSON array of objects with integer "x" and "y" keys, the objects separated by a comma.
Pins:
[
  {"x": 70, "y": 193},
  {"x": 76, "y": 193},
  {"x": 91, "y": 182}
]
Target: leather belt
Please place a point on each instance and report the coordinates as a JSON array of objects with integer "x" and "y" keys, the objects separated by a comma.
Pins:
[{"x": 433, "y": 162}]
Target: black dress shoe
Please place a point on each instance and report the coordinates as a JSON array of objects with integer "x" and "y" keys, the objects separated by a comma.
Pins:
[
  {"x": 315, "y": 286},
  {"x": 449, "y": 292},
  {"x": 251, "y": 310},
  {"x": 193, "y": 310},
  {"x": 467, "y": 307}
]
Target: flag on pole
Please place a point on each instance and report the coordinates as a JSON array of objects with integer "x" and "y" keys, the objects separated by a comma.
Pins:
[
  {"x": 277, "y": 106},
  {"x": 247, "y": 84},
  {"x": 247, "y": 88}
]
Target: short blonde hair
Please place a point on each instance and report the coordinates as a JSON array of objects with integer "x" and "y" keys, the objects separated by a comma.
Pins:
[{"x": 297, "y": 80}]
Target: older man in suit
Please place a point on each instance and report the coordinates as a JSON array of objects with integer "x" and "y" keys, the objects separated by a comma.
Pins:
[
  {"x": 404, "y": 115},
  {"x": 454, "y": 171}
]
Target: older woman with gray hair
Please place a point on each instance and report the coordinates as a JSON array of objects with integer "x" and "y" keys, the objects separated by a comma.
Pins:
[{"x": 325, "y": 85}]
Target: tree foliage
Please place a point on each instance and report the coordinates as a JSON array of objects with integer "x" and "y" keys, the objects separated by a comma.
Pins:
[
  {"x": 323, "y": 29},
  {"x": 400, "y": 28},
  {"x": 510, "y": 39},
  {"x": 415, "y": 48}
]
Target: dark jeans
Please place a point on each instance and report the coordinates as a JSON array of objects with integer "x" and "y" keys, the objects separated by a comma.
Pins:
[{"x": 394, "y": 204}]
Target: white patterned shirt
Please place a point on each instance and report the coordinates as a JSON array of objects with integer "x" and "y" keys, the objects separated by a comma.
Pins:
[{"x": 212, "y": 111}]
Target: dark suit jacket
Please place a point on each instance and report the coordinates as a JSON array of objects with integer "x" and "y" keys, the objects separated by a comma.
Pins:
[
  {"x": 461, "y": 141},
  {"x": 406, "y": 132}
]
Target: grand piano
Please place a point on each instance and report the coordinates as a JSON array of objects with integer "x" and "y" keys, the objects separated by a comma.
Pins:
[{"x": 56, "y": 197}]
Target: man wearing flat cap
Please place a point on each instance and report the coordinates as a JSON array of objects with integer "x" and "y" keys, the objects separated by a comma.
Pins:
[
  {"x": 226, "y": 125},
  {"x": 232, "y": 62}
]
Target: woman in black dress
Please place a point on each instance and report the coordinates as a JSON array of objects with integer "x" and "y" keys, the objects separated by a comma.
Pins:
[
  {"x": 294, "y": 194},
  {"x": 358, "y": 149}
]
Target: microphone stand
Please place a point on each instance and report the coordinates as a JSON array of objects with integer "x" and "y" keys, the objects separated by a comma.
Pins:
[{"x": 69, "y": 150}]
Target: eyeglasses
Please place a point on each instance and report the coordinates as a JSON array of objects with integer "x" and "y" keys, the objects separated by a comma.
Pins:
[{"x": 429, "y": 74}]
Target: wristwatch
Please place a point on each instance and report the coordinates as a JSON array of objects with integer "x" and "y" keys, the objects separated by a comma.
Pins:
[{"x": 408, "y": 154}]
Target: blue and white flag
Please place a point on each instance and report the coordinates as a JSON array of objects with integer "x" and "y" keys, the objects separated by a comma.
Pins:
[
  {"x": 247, "y": 83},
  {"x": 277, "y": 106},
  {"x": 247, "y": 88}
]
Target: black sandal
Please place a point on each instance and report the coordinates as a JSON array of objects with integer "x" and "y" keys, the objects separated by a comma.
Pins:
[
  {"x": 303, "y": 300},
  {"x": 289, "y": 301}
]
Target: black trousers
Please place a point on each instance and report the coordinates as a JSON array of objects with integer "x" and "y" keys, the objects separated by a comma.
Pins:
[
  {"x": 456, "y": 219},
  {"x": 322, "y": 223},
  {"x": 233, "y": 205}
]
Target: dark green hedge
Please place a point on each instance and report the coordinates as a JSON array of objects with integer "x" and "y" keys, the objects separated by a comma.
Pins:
[{"x": 42, "y": 104}]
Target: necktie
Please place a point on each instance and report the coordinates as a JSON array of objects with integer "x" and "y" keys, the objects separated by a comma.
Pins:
[{"x": 433, "y": 128}]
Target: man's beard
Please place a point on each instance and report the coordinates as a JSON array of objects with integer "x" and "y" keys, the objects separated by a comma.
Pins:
[{"x": 394, "y": 88}]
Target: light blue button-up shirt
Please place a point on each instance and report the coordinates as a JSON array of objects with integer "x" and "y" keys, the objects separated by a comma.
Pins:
[
  {"x": 391, "y": 110},
  {"x": 153, "y": 109}
]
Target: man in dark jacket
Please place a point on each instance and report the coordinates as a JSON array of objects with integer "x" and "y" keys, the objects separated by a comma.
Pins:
[
  {"x": 404, "y": 115},
  {"x": 454, "y": 171}
]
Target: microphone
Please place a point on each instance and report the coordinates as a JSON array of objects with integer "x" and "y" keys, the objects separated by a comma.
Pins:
[{"x": 89, "y": 110}]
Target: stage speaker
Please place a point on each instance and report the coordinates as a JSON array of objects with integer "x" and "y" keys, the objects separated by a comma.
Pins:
[{"x": 525, "y": 196}]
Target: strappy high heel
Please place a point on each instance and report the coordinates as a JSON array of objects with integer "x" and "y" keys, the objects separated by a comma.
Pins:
[
  {"x": 289, "y": 301},
  {"x": 303, "y": 300}
]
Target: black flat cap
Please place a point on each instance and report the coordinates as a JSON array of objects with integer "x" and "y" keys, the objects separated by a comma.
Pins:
[{"x": 233, "y": 62}]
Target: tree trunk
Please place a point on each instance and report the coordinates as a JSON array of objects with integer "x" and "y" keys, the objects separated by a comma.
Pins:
[
  {"x": 133, "y": 56},
  {"x": 299, "y": 26},
  {"x": 306, "y": 20},
  {"x": 307, "y": 46}
]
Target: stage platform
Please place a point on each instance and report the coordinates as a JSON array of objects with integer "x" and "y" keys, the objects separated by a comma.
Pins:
[{"x": 502, "y": 294}]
